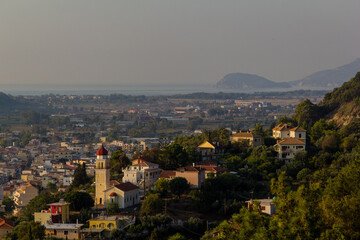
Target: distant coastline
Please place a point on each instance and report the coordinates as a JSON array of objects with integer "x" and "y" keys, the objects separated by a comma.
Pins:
[{"x": 140, "y": 89}]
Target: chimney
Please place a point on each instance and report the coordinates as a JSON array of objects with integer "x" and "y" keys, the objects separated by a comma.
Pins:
[
  {"x": 194, "y": 164},
  {"x": 138, "y": 160}
]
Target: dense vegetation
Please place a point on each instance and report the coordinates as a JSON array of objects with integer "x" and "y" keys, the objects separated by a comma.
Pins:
[{"x": 317, "y": 193}]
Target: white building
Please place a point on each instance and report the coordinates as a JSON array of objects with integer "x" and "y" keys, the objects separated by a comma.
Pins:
[
  {"x": 266, "y": 205},
  {"x": 288, "y": 147},
  {"x": 142, "y": 173},
  {"x": 287, "y": 131}
]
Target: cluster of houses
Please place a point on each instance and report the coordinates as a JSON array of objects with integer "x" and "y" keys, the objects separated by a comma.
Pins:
[{"x": 47, "y": 165}]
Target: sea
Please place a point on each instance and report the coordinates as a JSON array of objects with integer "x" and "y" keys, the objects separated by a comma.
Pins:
[{"x": 127, "y": 89}]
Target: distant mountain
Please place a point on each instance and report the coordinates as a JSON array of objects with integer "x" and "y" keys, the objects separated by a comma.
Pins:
[
  {"x": 244, "y": 80},
  {"x": 329, "y": 78},
  {"x": 10, "y": 103}
]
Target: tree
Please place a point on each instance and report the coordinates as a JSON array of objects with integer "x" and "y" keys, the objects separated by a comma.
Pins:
[
  {"x": 152, "y": 205},
  {"x": 118, "y": 161},
  {"x": 40, "y": 202},
  {"x": 178, "y": 186},
  {"x": 341, "y": 202},
  {"x": 84, "y": 215},
  {"x": 177, "y": 236},
  {"x": 79, "y": 200},
  {"x": 9, "y": 205},
  {"x": 27, "y": 230},
  {"x": 259, "y": 130},
  {"x": 173, "y": 156},
  {"x": 162, "y": 186},
  {"x": 154, "y": 234},
  {"x": 80, "y": 176},
  {"x": 51, "y": 187},
  {"x": 112, "y": 208},
  {"x": 116, "y": 234},
  {"x": 306, "y": 114},
  {"x": 248, "y": 224}
]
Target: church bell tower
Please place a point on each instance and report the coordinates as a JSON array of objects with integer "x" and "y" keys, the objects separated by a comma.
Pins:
[{"x": 102, "y": 174}]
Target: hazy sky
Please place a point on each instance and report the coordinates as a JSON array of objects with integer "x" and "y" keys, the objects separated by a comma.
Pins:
[{"x": 165, "y": 41}]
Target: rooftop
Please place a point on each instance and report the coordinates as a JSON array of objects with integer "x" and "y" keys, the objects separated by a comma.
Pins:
[
  {"x": 206, "y": 144},
  {"x": 292, "y": 141},
  {"x": 102, "y": 151},
  {"x": 126, "y": 186},
  {"x": 65, "y": 226}
]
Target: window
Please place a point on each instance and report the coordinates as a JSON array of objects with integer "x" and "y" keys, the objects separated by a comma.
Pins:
[
  {"x": 66, "y": 233},
  {"x": 299, "y": 135},
  {"x": 263, "y": 208}
]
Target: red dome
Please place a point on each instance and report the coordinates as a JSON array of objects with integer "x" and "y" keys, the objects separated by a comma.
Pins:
[
  {"x": 102, "y": 151},
  {"x": 113, "y": 194}
]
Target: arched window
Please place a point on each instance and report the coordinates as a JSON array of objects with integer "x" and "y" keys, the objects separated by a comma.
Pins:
[{"x": 110, "y": 226}]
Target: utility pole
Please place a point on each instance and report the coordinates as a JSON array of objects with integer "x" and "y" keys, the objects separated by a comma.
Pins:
[{"x": 207, "y": 225}]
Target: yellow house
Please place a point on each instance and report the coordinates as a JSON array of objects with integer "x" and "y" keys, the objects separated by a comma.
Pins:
[
  {"x": 27, "y": 177},
  {"x": 254, "y": 140},
  {"x": 207, "y": 151},
  {"x": 101, "y": 226},
  {"x": 105, "y": 222}
]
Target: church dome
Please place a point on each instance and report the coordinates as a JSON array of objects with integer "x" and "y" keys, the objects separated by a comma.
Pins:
[{"x": 102, "y": 151}]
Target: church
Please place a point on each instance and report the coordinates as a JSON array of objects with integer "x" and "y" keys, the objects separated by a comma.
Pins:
[{"x": 123, "y": 194}]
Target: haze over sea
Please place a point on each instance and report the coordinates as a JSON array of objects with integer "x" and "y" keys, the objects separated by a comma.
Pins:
[{"x": 127, "y": 89}]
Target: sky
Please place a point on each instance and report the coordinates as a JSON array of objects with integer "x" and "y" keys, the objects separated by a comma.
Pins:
[{"x": 173, "y": 42}]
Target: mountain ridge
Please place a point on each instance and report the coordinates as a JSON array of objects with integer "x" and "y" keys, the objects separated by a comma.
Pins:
[
  {"x": 246, "y": 80},
  {"x": 329, "y": 78}
]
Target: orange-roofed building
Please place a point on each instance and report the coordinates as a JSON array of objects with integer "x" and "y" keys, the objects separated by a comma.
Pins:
[
  {"x": 288, "y": 147},
  {"x": 288, "y": 131},
  {"x": 6, "y": 226}
]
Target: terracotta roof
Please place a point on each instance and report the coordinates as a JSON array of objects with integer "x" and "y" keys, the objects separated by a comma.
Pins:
[
  {"x": 297, "y": 129},
  {"x": 168, "y": 174},
  {"x": 141, "y": 162},
  {"x": 292, "y": 141},
  {"x": 283, "y": 126},
  {"x": 213, "y": 169},
  {"x": 6, "y": 223},
  {"x": 102, "y": 151},
  {"x": 126, "y": 186},
  {"x": 190, "y": 169},
  {"x": 206, "y": 144}
]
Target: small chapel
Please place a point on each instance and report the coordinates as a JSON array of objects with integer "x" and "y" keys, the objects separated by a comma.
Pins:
[{"x": 123, "y": 194}]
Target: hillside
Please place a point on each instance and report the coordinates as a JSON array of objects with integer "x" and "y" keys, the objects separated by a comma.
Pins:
[
  {"x": 343, "y": 103},
  {"x": 7, "y": 103},
  {"x": 329, "y": 78},
  {"x": 245, "y": 80}
]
